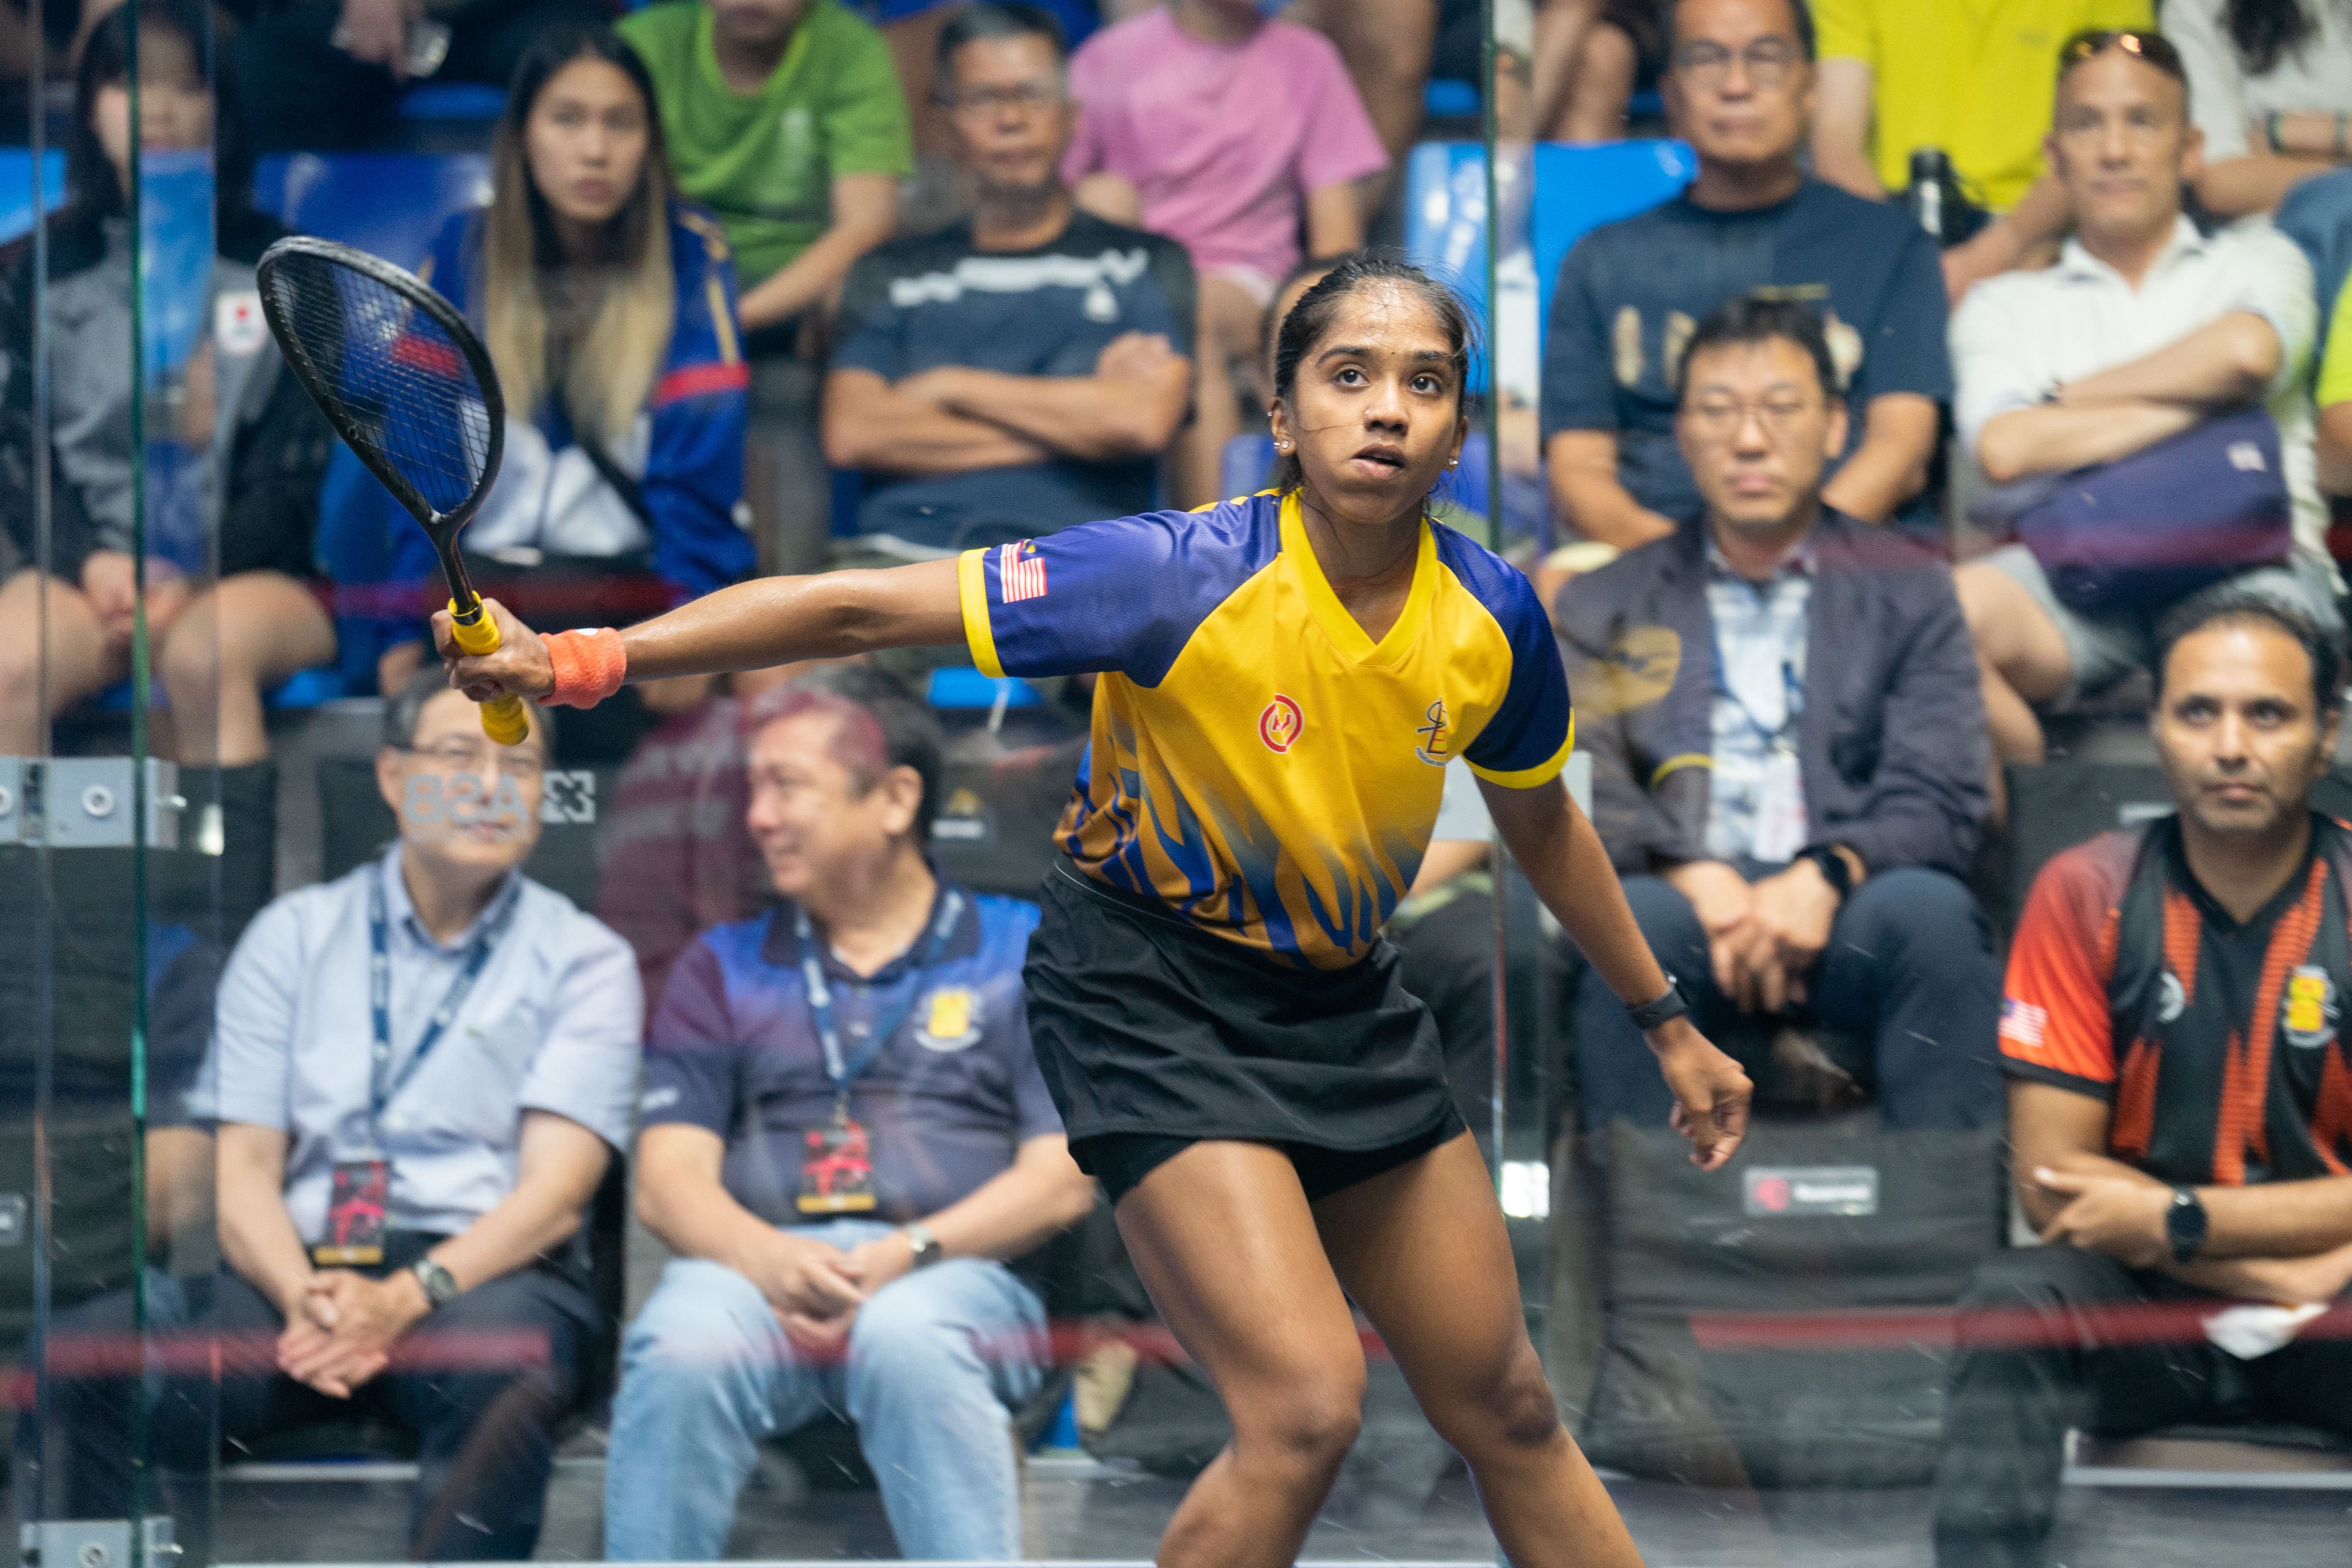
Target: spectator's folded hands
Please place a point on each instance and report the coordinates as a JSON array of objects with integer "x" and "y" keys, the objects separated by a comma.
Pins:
[
  {"x": 809, "y": 1279},
  {"x": 2122, "y": 1216},
  {"x": 883, "y": 1259},
  {"x": 343, "y": 1332},
  {"x": 1726, "y": 907},
  {"x": 1794, "y": 911},
  {"x": 2292, "y": 1281}
]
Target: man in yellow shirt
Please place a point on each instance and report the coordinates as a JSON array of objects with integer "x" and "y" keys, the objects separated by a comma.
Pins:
[
  {"x": 1975, "y": 78},
  {"x": 2334, "y": 401}
]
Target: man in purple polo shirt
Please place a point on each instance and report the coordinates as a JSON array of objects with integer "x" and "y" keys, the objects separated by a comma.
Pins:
[{"x": 845, "y": 1136}]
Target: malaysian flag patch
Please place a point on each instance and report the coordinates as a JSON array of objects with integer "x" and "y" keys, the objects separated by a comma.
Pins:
[
  {"x": 1021, "y": 571},
  {"x": 2023, "y": 1022}
]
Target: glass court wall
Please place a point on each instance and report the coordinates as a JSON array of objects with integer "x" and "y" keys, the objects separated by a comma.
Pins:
[{"x": 1756, "y": 1357}]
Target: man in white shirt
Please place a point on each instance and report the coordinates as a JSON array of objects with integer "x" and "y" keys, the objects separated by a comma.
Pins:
[
  {"x": 420, "y": 1072},
  {"x": 2144, "y": 329}
]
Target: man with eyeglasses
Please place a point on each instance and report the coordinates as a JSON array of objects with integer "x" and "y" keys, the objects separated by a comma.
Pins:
[
  {"x": 1740, "y": 86},
  {"x": 419, "y": 1074},
  {"x": 2144, "y": 329},
  {"x": 1787, "y": 754},
  {"x": 1023, "y": 369}
]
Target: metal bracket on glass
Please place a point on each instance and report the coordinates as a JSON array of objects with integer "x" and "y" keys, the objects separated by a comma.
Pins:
[
  {"x": 87, "y": 802},
  {"x": 97, "y": 1543}
]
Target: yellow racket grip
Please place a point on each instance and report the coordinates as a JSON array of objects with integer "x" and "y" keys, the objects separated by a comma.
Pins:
[{"x": 503, "y": 720}]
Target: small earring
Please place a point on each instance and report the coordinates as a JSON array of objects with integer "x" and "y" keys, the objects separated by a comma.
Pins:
[
  {"x": 1282, "y": 445},
  {"x": 1452, "y": 462}
]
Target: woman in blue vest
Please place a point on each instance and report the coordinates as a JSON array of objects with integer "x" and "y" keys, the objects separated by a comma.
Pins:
[{"x": 608, "y": 307}]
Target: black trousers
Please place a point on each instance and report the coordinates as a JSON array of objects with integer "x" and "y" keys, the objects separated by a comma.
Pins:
[
  {"x": 482, "y": 1382},
  {"x": 2060, "y": 1337}
]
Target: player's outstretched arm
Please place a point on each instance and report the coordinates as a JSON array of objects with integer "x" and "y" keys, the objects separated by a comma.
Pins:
[
  {"x": 1569, "y": 868},
  {"x": 754, "y": 625}
]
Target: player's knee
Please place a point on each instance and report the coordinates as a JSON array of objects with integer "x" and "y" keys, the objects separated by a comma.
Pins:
[
  {"x": 1512, "y": 1410},
  {"x": 1305, "y": 1426}
]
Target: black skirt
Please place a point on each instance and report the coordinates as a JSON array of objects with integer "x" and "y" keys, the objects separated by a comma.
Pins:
[{"x": 1146, "y": 1026}]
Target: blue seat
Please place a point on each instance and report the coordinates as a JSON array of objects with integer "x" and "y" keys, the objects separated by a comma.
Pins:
[
  {"x": 458, "y": 100},
  {"x": 308, "y": 689},
  {"x": 391, "y": 204},
  {"x": 17, "y": 189},
  {"x": 1578, "y": 188},
  {"x": 965, "y": 690},
  {"x": 1448, "y": 98}
]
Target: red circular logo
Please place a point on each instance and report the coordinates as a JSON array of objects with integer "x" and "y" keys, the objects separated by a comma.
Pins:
[
  {"x": 1772, "y": 1193},
  {"x": 1281, "y": 724}
]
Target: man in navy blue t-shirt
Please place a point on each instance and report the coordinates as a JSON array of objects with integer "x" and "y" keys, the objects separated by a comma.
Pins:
[
  {"x": 1023, "y": 370},
  {"x": 1741, "y": 84},
  {"x": 845, "y": 1134}
]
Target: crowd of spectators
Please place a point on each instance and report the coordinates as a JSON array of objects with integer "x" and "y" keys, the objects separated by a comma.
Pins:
[{"x": 1780, "y": 402}]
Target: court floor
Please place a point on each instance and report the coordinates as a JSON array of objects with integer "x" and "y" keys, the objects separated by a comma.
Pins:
[{"x": 1082, "y": 1513}]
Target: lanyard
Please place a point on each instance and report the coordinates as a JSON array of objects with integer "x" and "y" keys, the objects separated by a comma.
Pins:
[
  {"x": 382, "y": 1085},
  {"x": 1793, "y": 699},
  {"x": 819, "y": 998}
]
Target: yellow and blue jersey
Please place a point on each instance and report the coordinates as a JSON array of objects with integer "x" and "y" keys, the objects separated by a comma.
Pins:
[{"x": 1258, "y": 763}]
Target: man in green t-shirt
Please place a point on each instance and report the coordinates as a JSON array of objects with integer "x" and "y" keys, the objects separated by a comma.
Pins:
[{"x": 786, "y": 119}]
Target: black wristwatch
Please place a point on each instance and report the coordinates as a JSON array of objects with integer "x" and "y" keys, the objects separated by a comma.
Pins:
[
  {"x": 1833, "y": 867},
  {"x": 1664, "y": 1010},
  {"x": 923, "y": 1246},
  {"x": 2185, "y": 1224},
  {"x": 440, "y": 1286}
]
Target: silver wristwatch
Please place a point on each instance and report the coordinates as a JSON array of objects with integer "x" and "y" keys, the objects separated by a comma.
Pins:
[
  {"x": 925, "y": 1244},
  {"x": 439, "y": 1285}
]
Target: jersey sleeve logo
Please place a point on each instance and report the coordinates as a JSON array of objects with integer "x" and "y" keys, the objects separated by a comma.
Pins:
[
  {"x": 2022, "y": 1023},
  {"x": 1021, "y": 571},
  {"x": 1281, "y": 724},
  {"x": 1436, "y": 746}
]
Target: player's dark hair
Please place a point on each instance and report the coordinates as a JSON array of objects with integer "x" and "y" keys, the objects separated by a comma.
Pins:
[
  {"x": 1763, "y": 319},
  {"x": 1319, "y": 307},
  {"x": 899, "y": 731},
  {"x": 95, "y": 194},
  {"x": 2266, "y": 31},
  {"x": 2228, "y": 603},
  {"x": 1801, "y": 14},
  {"x": 406, "y": 708},
  {"x": 1269, "y": 325},
  {"x": 995, "y": 20}
]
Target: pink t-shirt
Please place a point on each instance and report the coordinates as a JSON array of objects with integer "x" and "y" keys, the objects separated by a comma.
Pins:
[{"x": 1221, "y": 141}]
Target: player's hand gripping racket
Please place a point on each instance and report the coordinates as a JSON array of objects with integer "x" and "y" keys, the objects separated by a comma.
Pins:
[{"x": 408, "y": 387}]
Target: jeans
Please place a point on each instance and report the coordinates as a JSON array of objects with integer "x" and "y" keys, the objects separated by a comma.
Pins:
[
  {"x": 1908, "y": 970},
  {"x": 934, "y": 1364},
  {"x": 2042, "y": 1349}
]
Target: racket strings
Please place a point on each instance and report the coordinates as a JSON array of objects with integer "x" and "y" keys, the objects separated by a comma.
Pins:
[{"x": 400, "y": 380}]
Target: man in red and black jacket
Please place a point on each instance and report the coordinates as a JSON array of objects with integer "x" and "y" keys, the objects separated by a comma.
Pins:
[{"x": 2180, "y": 1100}]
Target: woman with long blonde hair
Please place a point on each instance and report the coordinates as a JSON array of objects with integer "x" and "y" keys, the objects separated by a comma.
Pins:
[{"x": 608, "y": 307}]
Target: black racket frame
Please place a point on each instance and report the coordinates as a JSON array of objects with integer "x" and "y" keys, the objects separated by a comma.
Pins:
[{"x": 439, "y": 527}]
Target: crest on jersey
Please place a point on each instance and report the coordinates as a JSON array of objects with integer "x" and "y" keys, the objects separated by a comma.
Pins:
[
  {"x": 1436, "y": 746},
  {"x": 2308, "y": 1014},
  {"x": 1281, "y": 724},
  {"x": 2172, "y": 998},
  {"x": 952, "y": 1019}
]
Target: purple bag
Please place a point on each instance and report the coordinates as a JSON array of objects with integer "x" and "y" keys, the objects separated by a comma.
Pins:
[{"x": 2153, "y": 527}]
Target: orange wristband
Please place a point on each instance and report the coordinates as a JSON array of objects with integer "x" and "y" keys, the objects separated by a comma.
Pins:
[{"x": 589, "y": 667}]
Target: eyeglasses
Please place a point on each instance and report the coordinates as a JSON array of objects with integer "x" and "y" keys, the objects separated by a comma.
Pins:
[
  {"x": 1722, "y": 419},
  {"x": 986, "y": 102},
  {"x": 2091, "y": 42},
  {"x": 460, "y": 756},
  {"x": 1769, "y": 61}
]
